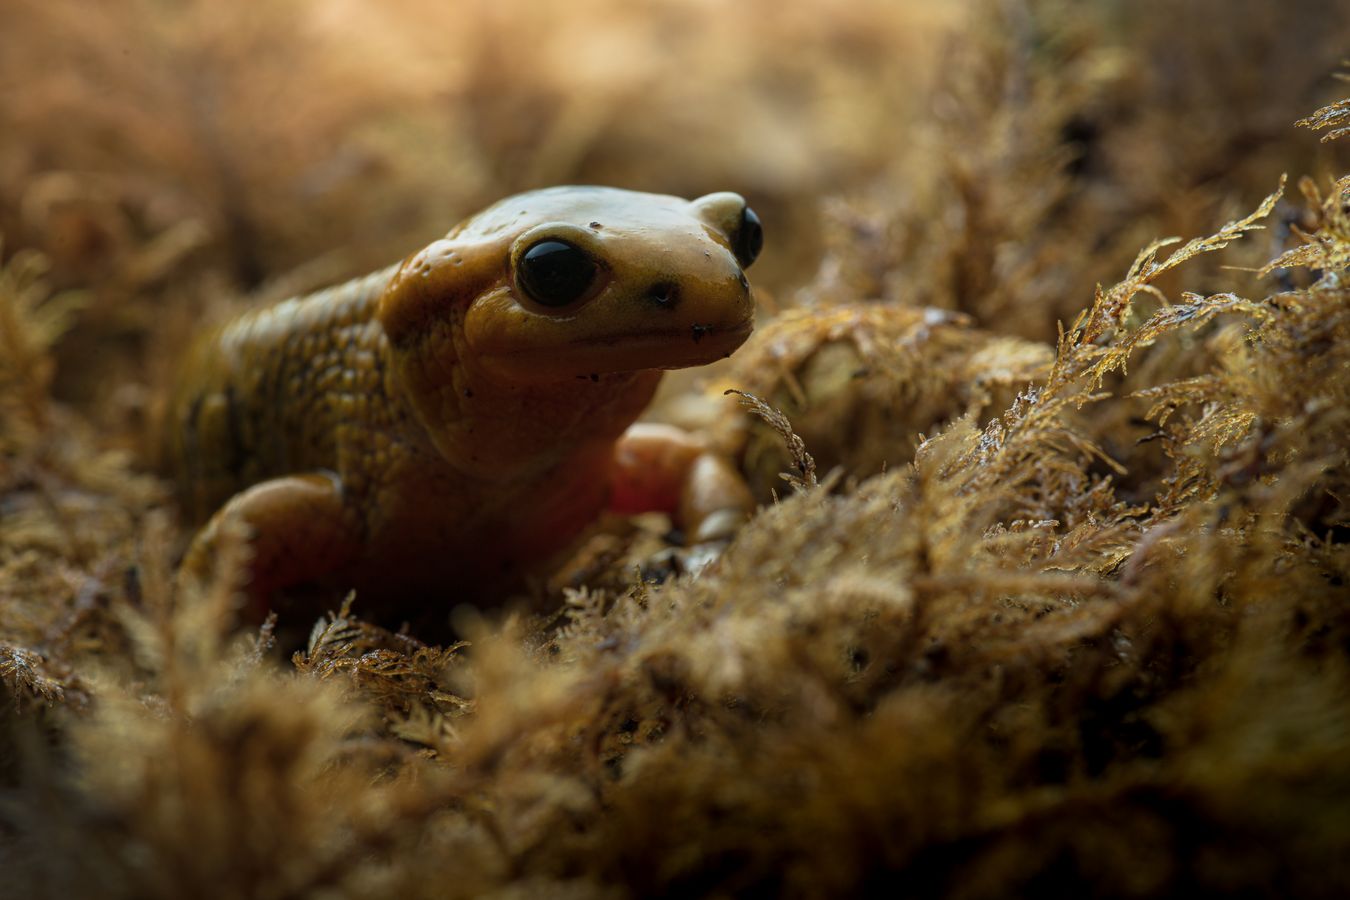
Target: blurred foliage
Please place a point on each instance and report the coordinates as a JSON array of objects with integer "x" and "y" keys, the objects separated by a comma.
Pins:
[{"x": 1052, "y": 596}]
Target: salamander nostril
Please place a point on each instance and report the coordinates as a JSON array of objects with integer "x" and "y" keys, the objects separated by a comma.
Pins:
[{"x": 665, "y": 294}]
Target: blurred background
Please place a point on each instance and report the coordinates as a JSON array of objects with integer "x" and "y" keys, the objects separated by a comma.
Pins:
[{"x": 1001, "y": 157}]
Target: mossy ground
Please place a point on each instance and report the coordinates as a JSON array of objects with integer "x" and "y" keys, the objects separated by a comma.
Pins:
[{"x": 1052, "y": 597}]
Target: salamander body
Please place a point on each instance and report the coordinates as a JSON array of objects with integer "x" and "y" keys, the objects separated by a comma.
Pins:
[{"x": 445, "y": 421}]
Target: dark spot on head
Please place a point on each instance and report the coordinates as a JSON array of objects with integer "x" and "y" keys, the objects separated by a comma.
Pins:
[
  {"x": 468, "y": 392},
  {"x": 699, "y": 331},
  {"x": 594, "y": 377},
  {"x": 597, "y": 226},
  {"x": 664, "y": 294}
]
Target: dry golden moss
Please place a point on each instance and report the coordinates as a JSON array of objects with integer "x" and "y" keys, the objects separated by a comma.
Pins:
[
  {"x": 1072, "y": 615},
  {"x": 861, "y": 384}
]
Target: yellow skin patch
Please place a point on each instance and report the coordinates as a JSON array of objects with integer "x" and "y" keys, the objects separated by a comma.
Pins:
[{"x": 440, "y": 424}]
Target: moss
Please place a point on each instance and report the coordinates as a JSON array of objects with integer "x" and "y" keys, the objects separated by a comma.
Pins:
[{"x": 1038, "y": 608}]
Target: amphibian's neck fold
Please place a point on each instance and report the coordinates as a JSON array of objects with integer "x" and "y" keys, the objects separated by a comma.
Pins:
[{"x": 493, "y": 429}]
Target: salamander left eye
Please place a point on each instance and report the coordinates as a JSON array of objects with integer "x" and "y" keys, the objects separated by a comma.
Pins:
[
  {"x": 749, "y": 238},
  {"x": 555, "y": 273}
]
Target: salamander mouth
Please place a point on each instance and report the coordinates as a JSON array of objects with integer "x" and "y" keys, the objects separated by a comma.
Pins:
[{"x": 693, "y": 345}]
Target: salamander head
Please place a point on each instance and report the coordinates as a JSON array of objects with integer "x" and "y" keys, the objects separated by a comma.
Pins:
[{"x": 575, "y": 281}]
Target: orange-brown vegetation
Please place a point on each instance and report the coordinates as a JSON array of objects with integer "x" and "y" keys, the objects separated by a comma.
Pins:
[{"x": 1051, "y": 596}]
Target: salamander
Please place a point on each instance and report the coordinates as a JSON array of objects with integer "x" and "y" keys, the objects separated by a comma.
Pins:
[{"x": 442, "y": 423}]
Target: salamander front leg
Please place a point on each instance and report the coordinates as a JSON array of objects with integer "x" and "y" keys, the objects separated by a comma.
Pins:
[
  {"x": 297, "y": 529},
  {"x": 658, "y": 467}
]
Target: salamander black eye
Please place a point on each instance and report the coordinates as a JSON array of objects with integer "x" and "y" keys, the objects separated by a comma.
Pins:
[
  {"x": 554, "y": 273},
  {"x": 749, "y": 238}
]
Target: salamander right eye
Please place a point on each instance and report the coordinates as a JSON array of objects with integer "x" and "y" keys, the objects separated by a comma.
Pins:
[
  {"x": 749, "y": 238},
  {"x": 555, "y": 273}
]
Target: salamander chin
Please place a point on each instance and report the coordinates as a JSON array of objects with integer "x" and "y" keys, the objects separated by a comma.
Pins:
[{"x": 695, "y": 345}]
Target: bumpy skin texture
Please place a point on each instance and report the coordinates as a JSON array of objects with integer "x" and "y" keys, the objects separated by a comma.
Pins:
[{"x": 434, "y": 427}]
